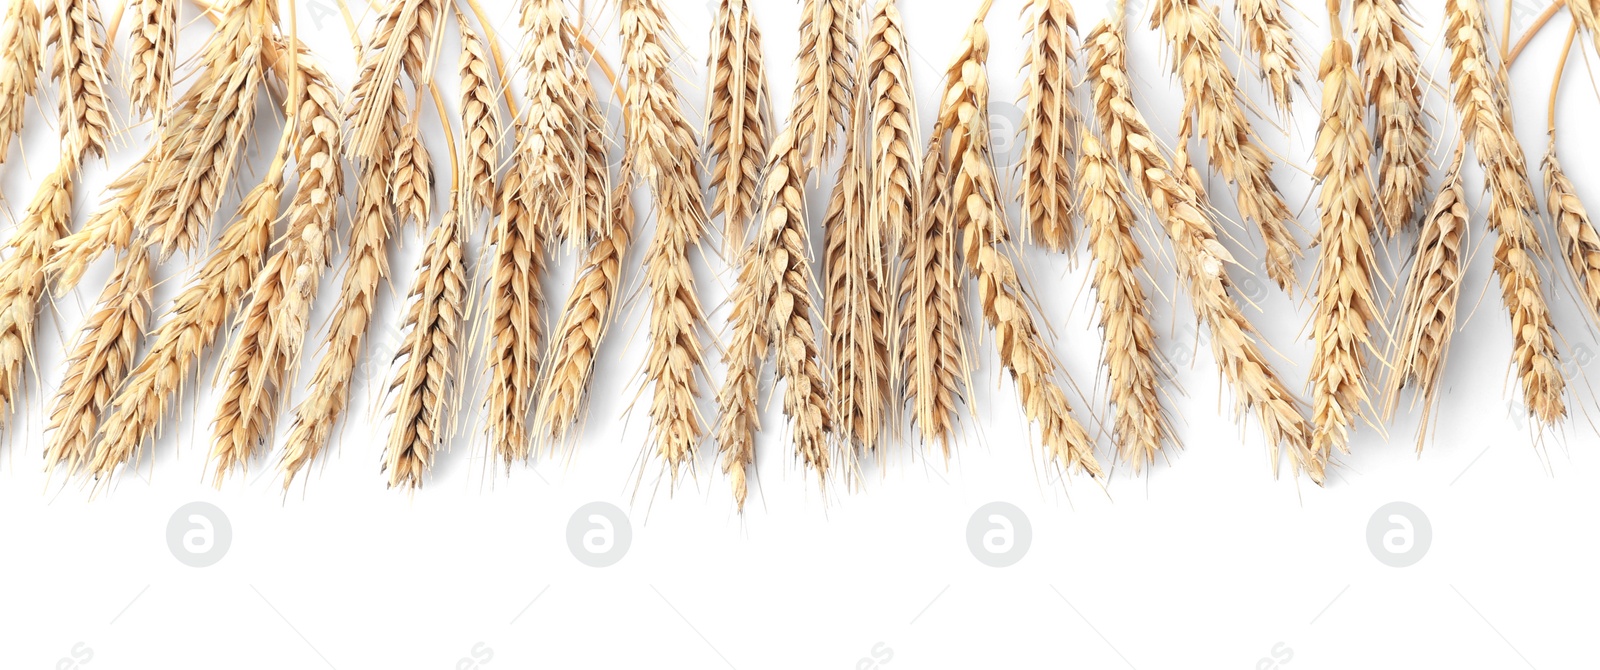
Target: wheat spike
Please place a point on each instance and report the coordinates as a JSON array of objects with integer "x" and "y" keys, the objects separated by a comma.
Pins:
[
  {"x": 1050, "y": 122},
  {"x": 1211, "y": 97},
  {"x": 152, "y": 47},
  {"x": 1481, "y": 99},
  {"x": 22, "y": 279},
  {"x": 480, "y": 123},
  {"x": 403, "y": 42},
  {"x": 1432, "y": 293},
  {"x": 856, "y": 301},
  {"x": 553, "y": 141},
  {"x": 738, "y": 118},
  {"x": 99, "y": 362},
  {"x": 824, "y": 70},
  {"x": 1392, "y": 76},
  {"x": 515, "y": 325},
  {"x": 662, "y": 144},
  {"x": 19, "y": 73},
  {"x": 1586, "y": 15},
  {"x": 1268, "y": 34},
  {"x": 1345, "y": 305},
  {"x": 422, "y": 393},
  {"x": 1134, "y": 366},
  {"x": 973, "y": 196},
  {"x": 1580, "y": 245},
  {"x": 1201, "y": 259},
  {"x": 74, "y": 30},
  {"x": 933, "y": 353}
]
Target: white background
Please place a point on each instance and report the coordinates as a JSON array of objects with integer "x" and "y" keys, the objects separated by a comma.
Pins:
[{"x": 1209, "y": 561}]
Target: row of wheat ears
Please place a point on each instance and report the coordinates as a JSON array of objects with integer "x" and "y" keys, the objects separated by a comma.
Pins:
[{"x": 903, "y": 222}]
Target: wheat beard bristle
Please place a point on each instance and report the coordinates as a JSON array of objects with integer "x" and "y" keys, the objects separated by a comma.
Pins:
[
  {"x": 1482, "y": 101},
  {"x": 1050, "y": 123},
  {"x": 1345, "y": 305},
  {"x": 1201, "y": 259},
  {"x": 856, "y": 305},
  {"x": 1428, "y": 309},
  {"x": 19, "y": 73},
  {"x": 978, "y": 213},
  {"x": 75, "y": 32},
  {"x": 1392, "y": 77},
  {"x": 152, "y": 44},
  {"x": 1272, "y": 40},
  {"x": 1211, "y": 96},
  {"x": 22, "y": 279},
  {"x": 99, "y": 362},
  {"x": 738, "y": 119},
  {"x": 423, "y": 391},
  {"x": 1580, "y": 245},
  {"x": 662, "y": 146},
  {"x": 824, "y": 86},
  {"x": 1134, "y": 365}
]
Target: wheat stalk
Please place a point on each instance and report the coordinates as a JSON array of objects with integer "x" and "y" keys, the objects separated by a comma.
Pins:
[
  {"x": 152, "y": 46},
  {"x": 1345, "y": 305},
  {"x": 1201, "y": 259},
  {"x": 99, "y": 362},
  {"x": 1481, "y": 99},
  {"x": 22, "y": 278},
  {"x": 1580, "y": 245},
  {"x": 824, "y": 84},
  {"x": 1392, "y": 77},
  {"x": 1134, "y": 366},
  {"x": 1211, "y": 97},
  {"x": 1050, "y": 122},
  {"x": 662, "y": 145},
  {"x": 1427, "y": 319},
  {"x": 973, "y": 195},
  {"x": 1268, "y": 34},
  {"x": 19, "y": 73},
  {"x": 856, "y": 299},
  {"x": 737, "y": 124},
  {"x": 74, "y": 30}
]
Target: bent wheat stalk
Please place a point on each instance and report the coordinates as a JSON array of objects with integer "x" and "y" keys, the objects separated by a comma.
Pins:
[
  {"x": 977, "y": 211},
  {"x": 1392, "y": 77},
  {"x": 1211, "y": 98},
  {"x": 737, "y": 127},
  {"x": 662, "y": 145},
  {"x": 1345, "y": 305},
  {"x": 1482, "y": 101},
  {"x": 1201, "y": 259},
  {"x": 1050, "y": 122}
]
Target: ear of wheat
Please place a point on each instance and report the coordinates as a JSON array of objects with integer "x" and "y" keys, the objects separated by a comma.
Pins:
[
  {"x": 978, "y": 212},
  {"x": 825, "y": 84},
  {"x": 1134, "y": 367},
  {"x": 1580, "y": 245},
  {"x": 553, "y": 142},
  {"x": 1481, "y": 99},
  {"x": 1345, "y": 305},
  {"x": 111, "y": 226},
  {"x": 152, "y": 46},
  {"x": 1428, "y": 307},
  {"x": 401, "y": 42},
  {"x": 515, "y": 325},
  {"x": 47, "y": 218},
  {"x": 73, "y": 30},
  {"x": 480, "y": 124},
  {"x": 1586, "y": 15},
  {"x": 1271, "y": 38},
  {"x": 1050, "y": 122},
  {"x": 856, "y": 301},
  {"x": 661, "y": 144},
  {"x": 1211, "y": 98},
  {"x": 1392, "y": 77},
  {"x": 737, "y": 127},
  {"x": 1201, "y": 259},
  {"x": 19, "y": 73}
]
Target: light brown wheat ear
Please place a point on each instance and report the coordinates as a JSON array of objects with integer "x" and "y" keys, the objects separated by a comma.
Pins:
[
  {"x": 1212, "y": 99},
  {"x": 552, "y": 142},
  {"x": 1270, "y": 37},
  {"x": 737, "y": 127},
  {"x": 22, "y": 279},
  {"x": 1134, "y": 367},
  {"x": 978, "y": 213},
  {"x": 1050, "y": 121},
  {"x": 933, "y": 360},
  {"x": 19, "y": 73},
  {"x": 152, "y": 48},
  {"x": 1580, "y": 245},
  {"x": 1392, "y": 76},
  {"x": 662, "y": 146},
  {"x": 1345, "y": 305},
  {"x": 1482, "y": 101},
  {"x": 73, "y": 29},
  {"x": 1202, "y": 261},
  {"x": 825, "y": 80},
  {"x": 515, "y": 325},
  {"x": 1428, "y": 309}
]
